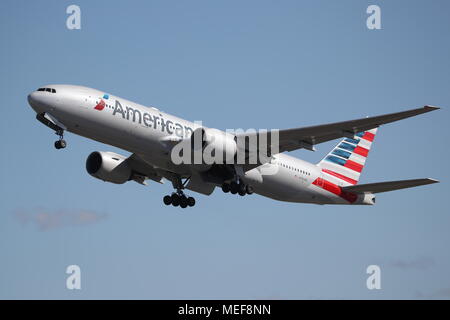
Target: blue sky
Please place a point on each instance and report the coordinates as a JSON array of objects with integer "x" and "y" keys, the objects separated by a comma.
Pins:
[{"x": 231, "y": 64}]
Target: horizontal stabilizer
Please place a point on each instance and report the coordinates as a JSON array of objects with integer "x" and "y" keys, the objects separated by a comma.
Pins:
[{"x": 388, "y": 186}]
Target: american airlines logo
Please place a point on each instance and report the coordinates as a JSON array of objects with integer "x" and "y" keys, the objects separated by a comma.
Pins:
[
  {"x": 146, "y": 119},
  {"x": 100, "y": 106}
]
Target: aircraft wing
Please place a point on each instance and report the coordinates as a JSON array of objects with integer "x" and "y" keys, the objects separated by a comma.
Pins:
[
  {"x": 307, "y": 137},
  {"x": 388, "y": 186},
  {"x": 143, "y": 170}
]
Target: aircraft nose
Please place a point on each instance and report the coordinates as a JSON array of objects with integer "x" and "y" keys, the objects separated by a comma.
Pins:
[
  {"x": 32, "y": 98},
  {"x": 35, "y": 101}
]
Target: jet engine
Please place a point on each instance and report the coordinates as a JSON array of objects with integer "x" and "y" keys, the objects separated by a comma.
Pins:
[{"x": 108, "y": 166}]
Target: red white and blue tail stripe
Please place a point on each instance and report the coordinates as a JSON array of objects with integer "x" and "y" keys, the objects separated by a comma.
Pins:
[{"x": 344, "y": 164}]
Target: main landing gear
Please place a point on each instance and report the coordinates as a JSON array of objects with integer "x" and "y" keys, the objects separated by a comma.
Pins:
[
  {"x": 178, "y": 198},
  {"x": 61, "y": 143},
  {"x": 237, "y": 187}
]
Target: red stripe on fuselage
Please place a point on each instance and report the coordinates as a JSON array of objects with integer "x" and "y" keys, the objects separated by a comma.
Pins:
[
  {"x": 353, "y": 165},
  {"x": 335, "y": 189},
  {"x": 340, "y": 176},
  {"x": 361, "y": 151},
  {"x": 369, "y": 136}
]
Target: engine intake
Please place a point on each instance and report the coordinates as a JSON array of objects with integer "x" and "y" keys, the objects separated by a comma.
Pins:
[{"x": 108, "y": 166}]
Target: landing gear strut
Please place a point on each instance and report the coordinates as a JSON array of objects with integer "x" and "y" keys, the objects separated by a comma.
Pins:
[
  {"x": 178, "y": 198},
  {"x": 61, "y": 143}
]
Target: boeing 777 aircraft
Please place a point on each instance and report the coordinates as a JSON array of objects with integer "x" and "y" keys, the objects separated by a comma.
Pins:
[{"x": 151, "y": 135}]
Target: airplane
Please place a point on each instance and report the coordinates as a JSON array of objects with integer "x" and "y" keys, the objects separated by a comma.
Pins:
[{"x": 151, "y": 135}]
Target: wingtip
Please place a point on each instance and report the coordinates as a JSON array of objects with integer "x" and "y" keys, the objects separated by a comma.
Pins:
[
  {"x": 433, "y": 180},
  {"x": 431, "y": 108}
]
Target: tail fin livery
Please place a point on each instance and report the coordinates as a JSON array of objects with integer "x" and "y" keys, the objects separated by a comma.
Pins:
[{"x": 344, "y": 164}]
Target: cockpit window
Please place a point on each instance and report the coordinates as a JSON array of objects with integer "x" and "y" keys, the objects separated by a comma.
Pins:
[{"x": 47, "y": 90}]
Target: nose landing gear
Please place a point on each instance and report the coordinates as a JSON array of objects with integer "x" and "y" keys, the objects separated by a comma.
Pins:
[
  {"x": 49, "y": 121},
  {"x": 61, "y": 143}
]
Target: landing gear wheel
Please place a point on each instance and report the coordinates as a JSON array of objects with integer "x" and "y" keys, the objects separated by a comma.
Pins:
[
  {"x": 242, "y": 193},
  {"x": 191, "y": 202},
  {"x": 183, "y": 201},
  {"x": 167, "y": 200},
  {"x": 226, "y": 187},
  {"x": 60, "y": 144},
  {"x": 175, "y": 200},
  {"x": 249, "y": 189}
]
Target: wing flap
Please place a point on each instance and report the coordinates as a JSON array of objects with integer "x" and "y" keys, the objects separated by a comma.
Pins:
[
  {"x": 388, "y": 186},
  {"x": 143, "y": 169}
]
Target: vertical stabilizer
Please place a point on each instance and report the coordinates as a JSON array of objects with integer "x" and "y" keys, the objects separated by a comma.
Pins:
[{"x": 344, "y": 164}]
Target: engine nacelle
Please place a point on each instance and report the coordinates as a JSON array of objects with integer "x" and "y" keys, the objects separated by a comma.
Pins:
[
  {"x": 216, "y": 146},
  {"x": 108, "y": 166},
  {"x": 366, "y": 198}
]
